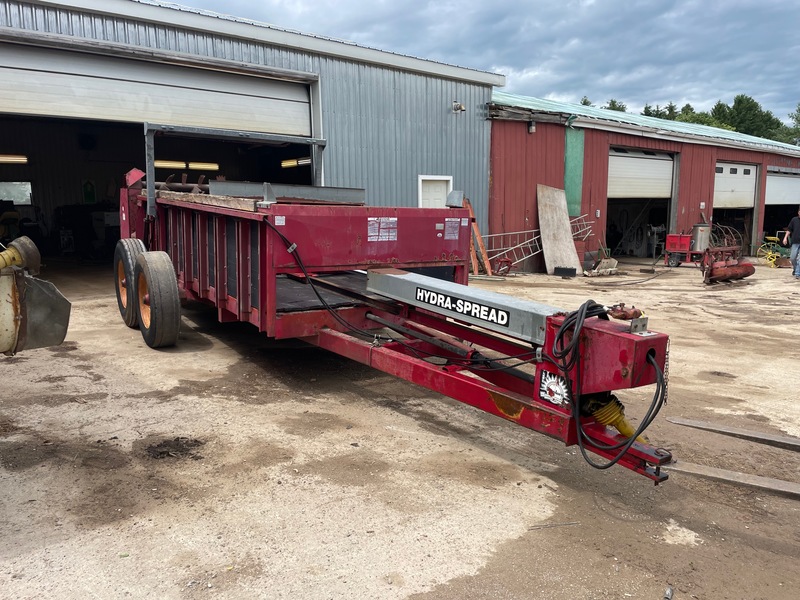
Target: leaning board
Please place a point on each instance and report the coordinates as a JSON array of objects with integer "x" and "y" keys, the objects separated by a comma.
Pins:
[{"x": 557, "y": 244}]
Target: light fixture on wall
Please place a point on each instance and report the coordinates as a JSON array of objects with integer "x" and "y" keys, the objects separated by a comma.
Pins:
[
  {"x": 13, "y": 159},
  {"x": 531, "y": 126},
  {"x": 203, "y": 166},
  {"x": 169, "y": 164},
  {"x": 458, "y": 107},
  {"x": 295, "y": 162}
]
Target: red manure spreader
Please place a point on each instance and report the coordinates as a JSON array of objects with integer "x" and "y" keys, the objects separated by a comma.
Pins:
[{"x": 387, "y": 287}]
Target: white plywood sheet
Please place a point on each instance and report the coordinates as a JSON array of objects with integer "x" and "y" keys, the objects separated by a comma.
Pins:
[{"x": 557, "y": 243}]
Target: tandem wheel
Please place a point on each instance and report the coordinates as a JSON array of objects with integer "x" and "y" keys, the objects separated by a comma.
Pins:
[
  {"x": 125, "y": 255},
  {"x": 159, "y": 304}
]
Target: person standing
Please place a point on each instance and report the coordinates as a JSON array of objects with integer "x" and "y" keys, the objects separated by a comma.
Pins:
[{"x": 793, "y": 230}]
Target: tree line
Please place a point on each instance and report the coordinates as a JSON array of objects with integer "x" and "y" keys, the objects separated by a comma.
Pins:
[{"x": 744, "y": 115}]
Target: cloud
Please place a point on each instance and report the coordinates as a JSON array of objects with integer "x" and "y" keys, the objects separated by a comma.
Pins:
[{"x": 638, "y": 52}]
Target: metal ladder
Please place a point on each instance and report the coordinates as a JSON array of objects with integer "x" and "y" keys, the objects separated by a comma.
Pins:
[{"x": 506, "y": 250}]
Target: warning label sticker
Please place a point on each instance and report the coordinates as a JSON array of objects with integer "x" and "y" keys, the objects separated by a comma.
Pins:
[
  {"x": 451, "y": 228},
  {"x": 464, "y": 307},
  {"x": 382, "y": 229}
]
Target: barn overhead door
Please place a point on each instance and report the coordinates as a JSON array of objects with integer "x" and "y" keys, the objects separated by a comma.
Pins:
[
  {"x": 735, "y": 186},
  {"x": 639, "y": 174},
  {"x": 783, "y": 189},
  {"x": 46, "y": 82}
]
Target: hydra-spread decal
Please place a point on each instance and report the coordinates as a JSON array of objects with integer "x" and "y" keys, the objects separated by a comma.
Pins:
[{"x": 463, "y": 307}]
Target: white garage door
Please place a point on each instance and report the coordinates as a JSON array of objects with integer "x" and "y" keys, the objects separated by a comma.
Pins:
[
  {"x": 735, "y": 186},
  {"x": 783, "y": 189},
  {"x": 639, "y": 174},
  {"x": 46, "y": 82}
]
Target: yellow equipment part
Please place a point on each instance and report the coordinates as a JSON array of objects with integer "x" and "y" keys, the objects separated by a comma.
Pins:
[{"x": 613, "y": 414}]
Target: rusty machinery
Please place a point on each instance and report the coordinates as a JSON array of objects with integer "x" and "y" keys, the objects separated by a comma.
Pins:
[
  {"x": 33, "y": 313},
  {"x": 716, "y": 249},
  {"x": 318, "y": 265}
]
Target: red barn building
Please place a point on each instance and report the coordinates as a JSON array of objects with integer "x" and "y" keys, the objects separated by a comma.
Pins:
[{"x": 635, "y": 177}]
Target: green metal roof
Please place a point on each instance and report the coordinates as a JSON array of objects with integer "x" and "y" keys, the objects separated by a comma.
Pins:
[{"x": 655, "y": 126}]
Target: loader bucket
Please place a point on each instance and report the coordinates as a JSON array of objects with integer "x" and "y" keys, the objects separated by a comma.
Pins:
[{"x": 33, "y": 313}]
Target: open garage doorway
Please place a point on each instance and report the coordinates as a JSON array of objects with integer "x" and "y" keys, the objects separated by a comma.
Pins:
[
  {"x": 782, "y": 200},
  {"x": 637, "y": 227},
  {"x": 60, "y": 178},
  {"x": 735, "y": 187},
  {"x": 741, "y": 220},
  {"x": 640, "y": 184},
  {"x": 777, "y": 217}
]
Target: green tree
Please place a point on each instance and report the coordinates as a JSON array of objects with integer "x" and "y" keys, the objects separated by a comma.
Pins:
[
  {"x": 721, "y": 112},
  {"x": 671, "y": 111},
  {"x": 702, "y": 118},
  {"x": 795, "y": 116},
  {"x": 616, "y": 105},
  {"x": 747, "y": 116},
  {"x": 790, "y": 134},
  {"x": 787, "y": 134},
  {"x": 657, "y": 111},
  {"x": 586, "y": 102}
]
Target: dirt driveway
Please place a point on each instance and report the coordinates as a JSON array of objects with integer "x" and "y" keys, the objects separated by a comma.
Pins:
[{"x": 233, "y": 467}]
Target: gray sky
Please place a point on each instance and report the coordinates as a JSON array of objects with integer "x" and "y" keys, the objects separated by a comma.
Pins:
[{"x": 636, "y": 51}]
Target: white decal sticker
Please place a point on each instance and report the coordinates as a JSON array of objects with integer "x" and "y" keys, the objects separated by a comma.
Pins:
[
  {"x": 483, "y": 312},
  {"x": 382, "y": 229},
  {"x": 464, "y": 222},
  {"x": 280, "y": 220},
  {"x": 451, "y": 229}
]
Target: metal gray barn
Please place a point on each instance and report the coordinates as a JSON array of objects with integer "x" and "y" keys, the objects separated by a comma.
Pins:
[{"x": 81, "y": 81}]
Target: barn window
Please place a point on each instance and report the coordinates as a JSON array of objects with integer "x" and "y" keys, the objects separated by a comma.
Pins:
[
  {"x": 734, "y": 170},
  {"x": 719, "y": 169},
  {"x": 746, "y": 171},
  {"x": 18, "y": 192}
]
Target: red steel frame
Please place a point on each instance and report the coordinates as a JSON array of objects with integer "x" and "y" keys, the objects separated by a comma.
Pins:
[
  {"x": 609, "y": 352},
  {"x": 336, "y": 238}
]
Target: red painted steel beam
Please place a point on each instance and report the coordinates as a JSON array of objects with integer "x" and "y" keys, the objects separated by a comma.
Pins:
[{"x": 551, "y": 420}]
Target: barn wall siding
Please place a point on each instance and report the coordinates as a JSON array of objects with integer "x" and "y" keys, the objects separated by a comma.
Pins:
[
  {"x": 384, "y": 126},
  {"x": 520, "y": 161}
]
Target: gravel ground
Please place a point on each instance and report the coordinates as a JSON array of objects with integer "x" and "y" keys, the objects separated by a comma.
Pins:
[{"x": 233, "y": 466}]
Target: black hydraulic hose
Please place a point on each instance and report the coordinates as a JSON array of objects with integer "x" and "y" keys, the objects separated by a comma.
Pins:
[
  {"x": 567, "y": 357},
  {"x": 624, "y": 446}
]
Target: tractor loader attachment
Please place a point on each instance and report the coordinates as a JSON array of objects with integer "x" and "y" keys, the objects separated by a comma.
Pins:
[{"x": 33, "y": 313}]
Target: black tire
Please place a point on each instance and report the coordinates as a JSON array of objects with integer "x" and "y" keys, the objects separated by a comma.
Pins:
[
  {"x": 159, "y": 303},
  {"x": 673, "y": 260},
  {"x": 125, "y": 255}
]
